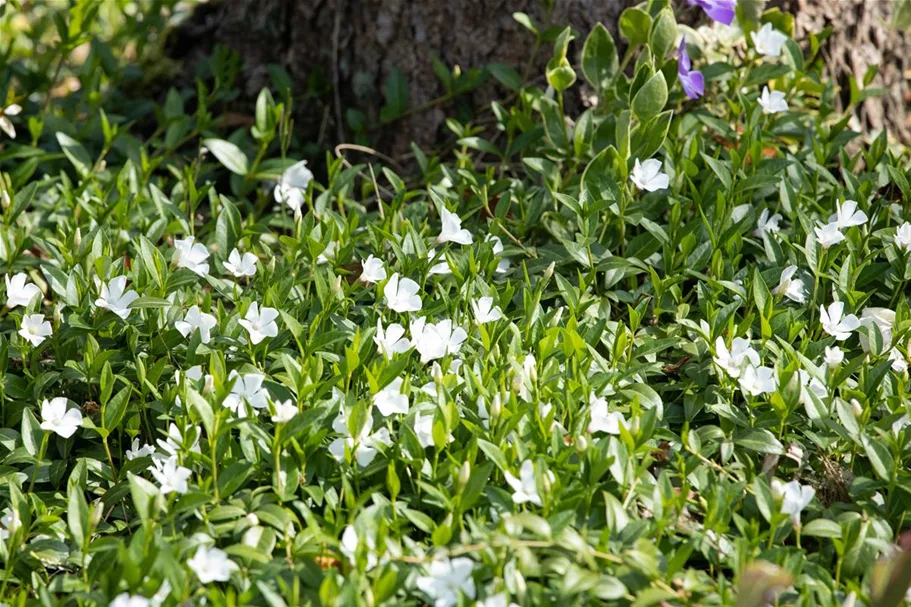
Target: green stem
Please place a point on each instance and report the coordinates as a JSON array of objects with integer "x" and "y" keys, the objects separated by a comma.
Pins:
[{"x": 41, "y": 450}]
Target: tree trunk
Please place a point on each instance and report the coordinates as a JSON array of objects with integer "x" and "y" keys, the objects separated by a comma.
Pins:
[{"x": 344, "y": 50}]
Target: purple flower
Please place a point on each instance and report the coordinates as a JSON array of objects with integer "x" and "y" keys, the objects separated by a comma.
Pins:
[
  {"x": 717, "y": 10},
  {"x": 692, "y": 80}
]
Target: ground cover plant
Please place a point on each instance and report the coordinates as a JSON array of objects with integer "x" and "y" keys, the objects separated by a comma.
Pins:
[{"x": 651, "y": 352}]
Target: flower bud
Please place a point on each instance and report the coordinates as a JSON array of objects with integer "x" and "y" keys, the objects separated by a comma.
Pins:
[
  {"x": 464, "y": 474},
  {"x": 581, "y": 444},
  {"x": 855, "y": 405}
]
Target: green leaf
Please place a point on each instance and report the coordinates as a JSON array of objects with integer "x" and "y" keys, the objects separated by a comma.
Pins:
[
  {"x": 116, "y": 409},
  {"x": 880, "y": 458},
  {"x": 760, "y": 440},
  {"x": 396, "y": 92},
  {"x": 228, "y": 227},
  {"x": 76, "y": 154},
  {"x": 663, "y": 33},
  {"x": 229, "y": 155},
  {"x": 635, "y": 25},
  {"x": 506, "y": 75},
  {"x": 77, "y": 513},
  {"x": 599, "y": 58},
  {"x": 822, "y": 528},
  {"x": 650, "y": 99}
]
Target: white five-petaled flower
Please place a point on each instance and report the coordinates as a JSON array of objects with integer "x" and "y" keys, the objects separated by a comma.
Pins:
[
  {"x": 9, "y": 523},
  {"x": 791, "y": 287},
  {"x": 794, "y": 497},
  {"x": 191, "y": 255},
  {"x": 758, "y": 380},
  {"x": 211, "y": 565},
  {"x": 284, "y": 412},
  {"x": 240, "y": 265},
  {"x": 525, "y": 488},
  {"x": 139, "y": 450},
  {"x": 5, "y": 124},
  {"x": 116, "y": 298},
  {"x": 401, "y": 294},
  {"x": 364, "y": 448},
  {"x": 828, "y": 234},
  {"x": 834, "y": 356},
  {"x": 732, "y": 361},
  {"x": 248, "y": 389},
  {"x": 197, "y": 320},
  {"x": 290, "y": 188},
  {"x": 447, "y": 580},
  {"x": 260, "y": 324},
  {"x": 603, "y": 420},
  {"x": 452, "y": 230},
  {"x": 435, "y": 341},
  {"x": 768, "y": 41},
  {"x": 35, "y": 329},
  {"x": 772, "y": 102},
  {"x": 847, "y": 215},
  {"x": 19, "y": 292},
  {"x": 649, "y": 176},
  {"x": 125, "y": 599},
  {"x": 899, "y": 362},
  {"x": 171, "y": 476},
  {"x": 835, "y": 323},
  {"x": 392, "y": 340},
  {"x": 372, "y": 270},
  {"x": 485, "y": 311},
  {"x": 56, "y": 418},
  {"x": 328, "y": 253},
  {"x": 390, "y": 399},
  {"x": 503, "y": 264},
  {"x": 883, "y": 319},
  {"x": 902, "y": 237},
  {"x": 767, "y": 223},
  {"x": 440, "y": 268},
  {"x": 174, "y": 443},
  {"x": 423, "y": 428},
  {"x": 349, "y": 545}
]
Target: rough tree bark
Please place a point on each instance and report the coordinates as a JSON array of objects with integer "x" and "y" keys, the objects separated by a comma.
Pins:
[{"x": 356, "y": 43}]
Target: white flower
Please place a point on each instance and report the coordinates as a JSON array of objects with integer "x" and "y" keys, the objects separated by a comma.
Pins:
[
  {"x": 290, "y": 188},
  {"x": 392, "y": 340},
  {"x": 503, "y": 264},
  {"x": 834, "y": 356},
  {"x": 497, "y": 600},
  {"x": 35, "y": 329},
  {"x": 649, "y": 176},
  {"x": 173, "y": 444},
  {"x": 525, "y": 489},
  {"x": 768, "y": 41},
  {"x": 423, "y": 428},
  {"x": 809, "y": 384},
  {"x": 485, "y": 311},
  {"x": 435, "y": 341},
  {"x": 284, "y": 412},
  {"x": 19, "y": 292},
  {"x": 9, "y": 523},
  {"x": 211, "y": 565},
  {"x": 364, "y": 447},
  {"x": 56, "y": 418},
  {"x": 903, "y": 237},
  {"x": 602, "y": 419},
  {"x": 247, "y": 388},
  {"x": 372, "y": 270},
  {"x": 835, "y": 323},
  {"x": 524, "y": 376},
  {"x": 328, "y": 253},
  {"x": 791, "y": 287},
  {"x": 138, "y": 450},
  {"x": 240, "y": 265},
  {"x": 401, "y": 294},
  {"x": 758, "y": 380},
  {"x": 115, "y": 298},
  {"x": 349, "y": 545},
  {"x": 772, "y": 102},
  {"x": 194, "y": 374},
  {"x": 451, "y": 230},
  {"x": 197, "y": 320},
  {"x": 900, "y": 424},
  {"x": 884, "y": 319},
  {"x": 390, "y": 399},
  {"x": 260, "y": 323},
  {"x": 766, "y": 223},
  {"x": 899, "y": 362},
  {"x": 794, "y": 497},
  {"x": 828, "y": 234},
  {"x": 721, "y": 543},
  {"x": 446, "y": 580},
  {"x": 846, "y": 215},
  {"x": 191, "y": 256},
  {"x": 733, "y": 360},
  {"x": 171, "y": 476},
  {"x": 5, "y": 124},
  {"x": 442, "y": 268},
  {"x": 125, "y": 599}
]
